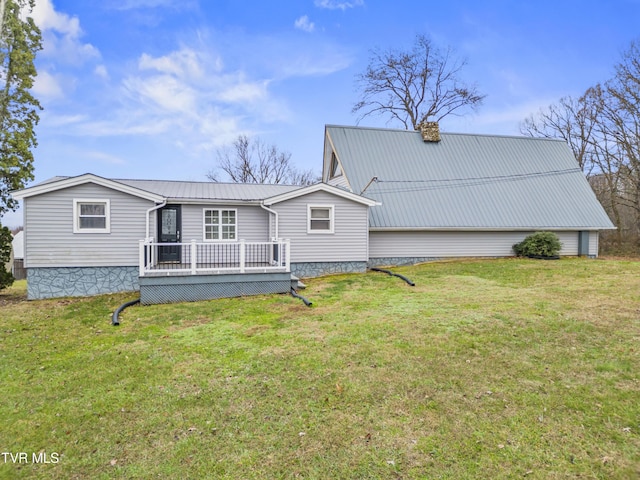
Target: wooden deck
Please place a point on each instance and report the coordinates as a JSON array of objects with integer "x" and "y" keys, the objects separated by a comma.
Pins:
[{"x": 195, "y": 258}]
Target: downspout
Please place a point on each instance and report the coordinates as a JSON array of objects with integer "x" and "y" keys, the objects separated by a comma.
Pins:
[
  {"x": 275, "y": 214},
  {"x": 389, "y": 272},
  {"x": 149, "y": 213},
  {"x": 115, "y": 321}
]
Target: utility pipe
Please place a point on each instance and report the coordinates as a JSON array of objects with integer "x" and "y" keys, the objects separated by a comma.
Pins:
[
  {"x": 389, "y": 272},
  {"x": 295, "y": 295},
  {"x": 114, "y": 318}
]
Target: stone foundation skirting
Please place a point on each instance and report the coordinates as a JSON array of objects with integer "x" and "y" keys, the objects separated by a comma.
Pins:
[
  {"x": 317, "y": 269},
  {"x": 80, "y": 281},
  {"x": 397, "y": 261}
]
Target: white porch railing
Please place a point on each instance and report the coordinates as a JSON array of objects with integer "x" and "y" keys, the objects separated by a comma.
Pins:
[{"x": 196, "y": 258}]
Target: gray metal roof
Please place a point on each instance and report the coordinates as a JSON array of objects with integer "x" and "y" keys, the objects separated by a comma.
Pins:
[
  {"x": 182, "y": 190},
  {"x": 176, "y": 190},
  {"x": 467, "y": 181}
]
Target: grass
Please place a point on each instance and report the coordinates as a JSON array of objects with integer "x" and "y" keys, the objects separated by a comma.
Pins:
[{"x": 486, "y": 369}]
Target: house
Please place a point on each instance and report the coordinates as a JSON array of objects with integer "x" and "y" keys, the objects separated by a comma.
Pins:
[
  {"x": 387, "y": 197},
  {"x": 460, "y": 195},
  {"x": 17, "y": 250},
  {"x": 178, "y": 241}
]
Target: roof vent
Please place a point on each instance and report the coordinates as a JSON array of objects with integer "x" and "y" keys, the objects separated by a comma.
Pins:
[{"x": 430, "y": 131}]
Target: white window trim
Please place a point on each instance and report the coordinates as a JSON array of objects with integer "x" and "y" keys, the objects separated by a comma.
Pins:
[
  {"x": 335, "y": 170},
  {"x": 76, "y": 215},
  {"x": 204, "y": 224},
  {"x": 331, "y": 220}
]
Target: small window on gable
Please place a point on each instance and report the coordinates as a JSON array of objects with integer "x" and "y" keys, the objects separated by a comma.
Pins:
[
  {"x": 335, "y": 170},
  {"x": 320, "y": 219},
  {"x": 219, "y": 224},
  {"x": 91, "y": 216}
]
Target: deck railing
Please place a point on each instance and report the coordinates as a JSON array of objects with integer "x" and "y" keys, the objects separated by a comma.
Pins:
[{"x": 196, "y": 258}]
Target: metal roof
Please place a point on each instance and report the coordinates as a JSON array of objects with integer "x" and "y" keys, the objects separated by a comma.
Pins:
[
  {"x": 175, "y": 190},
  {"x": 182, "y": 190},
  {"x": 467, "y": 181}
]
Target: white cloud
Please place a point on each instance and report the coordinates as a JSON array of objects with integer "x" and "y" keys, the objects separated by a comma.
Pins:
[
  {"x": 182, "y": 64},
  {"x": 47, "y": 18},
  {"x": 101, "y": 71},
  {"x": 186, "y": 97},
  {"x": 163, "y": 93},
  {"x": 304, "y": 24},
  {"x": 243, "y": 91},
  {"x": 47, "y": 86},
  {"x": 61, "y": 35},
  {"x": 338, "y": 4},
  {"x": 104, "y": 158},
  {"x": 58, "y": 120}
]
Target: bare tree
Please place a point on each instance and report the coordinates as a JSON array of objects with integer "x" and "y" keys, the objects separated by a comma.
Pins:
[
  {"x": 624, "y": 115},
  {"x": 603, "y": 129},
  {"x": 252, "y": 161},
  {"x": 415, "y": 86},
  {"x": 573, "y": 120}
]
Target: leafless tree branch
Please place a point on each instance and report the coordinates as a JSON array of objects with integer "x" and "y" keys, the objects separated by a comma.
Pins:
[
  {"x": 252, "y": 161},
  {"x": 414, "y": 86}
]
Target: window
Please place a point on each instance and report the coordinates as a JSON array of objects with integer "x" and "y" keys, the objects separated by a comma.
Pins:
[
  {"x": 320, "y": 219},
  {"x": 219, "y": 224},
  {"x": 335, "y": 170},
  {"x": 91, "y": 216}
]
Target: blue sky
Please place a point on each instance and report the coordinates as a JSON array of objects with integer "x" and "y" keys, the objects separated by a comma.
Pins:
[{"x": 153, "y": 88}]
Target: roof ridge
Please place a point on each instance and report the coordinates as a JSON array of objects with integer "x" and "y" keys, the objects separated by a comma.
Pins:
[
  {"x": 201, "y": 182},
  {"x": 445, "y": 133}
]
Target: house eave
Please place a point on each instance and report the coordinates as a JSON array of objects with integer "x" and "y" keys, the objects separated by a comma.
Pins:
[
  {"x": 212, "y": 201},
  {"x": 317, "y": 188},
  {"x": 81, "y": 180},
  {"x": 487, "y": 229}
]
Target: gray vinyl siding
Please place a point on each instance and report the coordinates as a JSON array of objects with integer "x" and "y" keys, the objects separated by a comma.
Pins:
[
  {"x": 348, "y": 242},
  {"x": 339, "y": 181},
  {"x": 49, "y": 237},
  {"x": 458, "y": 244},
  {"x": 594, "y": 238},
  {"x": 252, "y": 222}
]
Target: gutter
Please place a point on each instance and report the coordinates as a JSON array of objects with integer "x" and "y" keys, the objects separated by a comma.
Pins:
[
  {"x": 146, "y": 232},
  {"x": 211, "y": 201},
  {"x": 487, "y": 229},
  {"x": 275, "y": 214}
]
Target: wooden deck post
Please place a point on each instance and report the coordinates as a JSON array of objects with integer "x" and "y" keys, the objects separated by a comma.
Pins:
[
  {"x": 194, "y": 257},
  {"x": 243, "y": 254},
  {"x": 287, "y": 244},
  {"x": 141, "y": 252}
]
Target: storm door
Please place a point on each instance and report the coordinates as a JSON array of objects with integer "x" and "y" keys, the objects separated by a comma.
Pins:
[{"x": 169, "y": 226}]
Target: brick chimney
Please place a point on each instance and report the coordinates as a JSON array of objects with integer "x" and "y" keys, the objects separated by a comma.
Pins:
[{"x": 430, "y": 131}]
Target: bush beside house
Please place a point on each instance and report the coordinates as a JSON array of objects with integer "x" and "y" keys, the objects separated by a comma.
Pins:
[{"x": 539, "y": 244}]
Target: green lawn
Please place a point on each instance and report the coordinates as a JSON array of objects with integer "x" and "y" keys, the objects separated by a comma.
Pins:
[{"x": 485, "y": 369}]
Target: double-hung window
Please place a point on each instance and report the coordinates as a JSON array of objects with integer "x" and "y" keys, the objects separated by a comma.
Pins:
[
  {"x": 220, "y": 224},
  {"x": 91, "y": 215},
  {"x": 320, "y": 219}
]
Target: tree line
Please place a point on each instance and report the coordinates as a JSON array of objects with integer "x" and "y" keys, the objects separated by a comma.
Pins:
[
  {"x": 602, "y": 127},
  {"x": 20, "y": 39}
]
